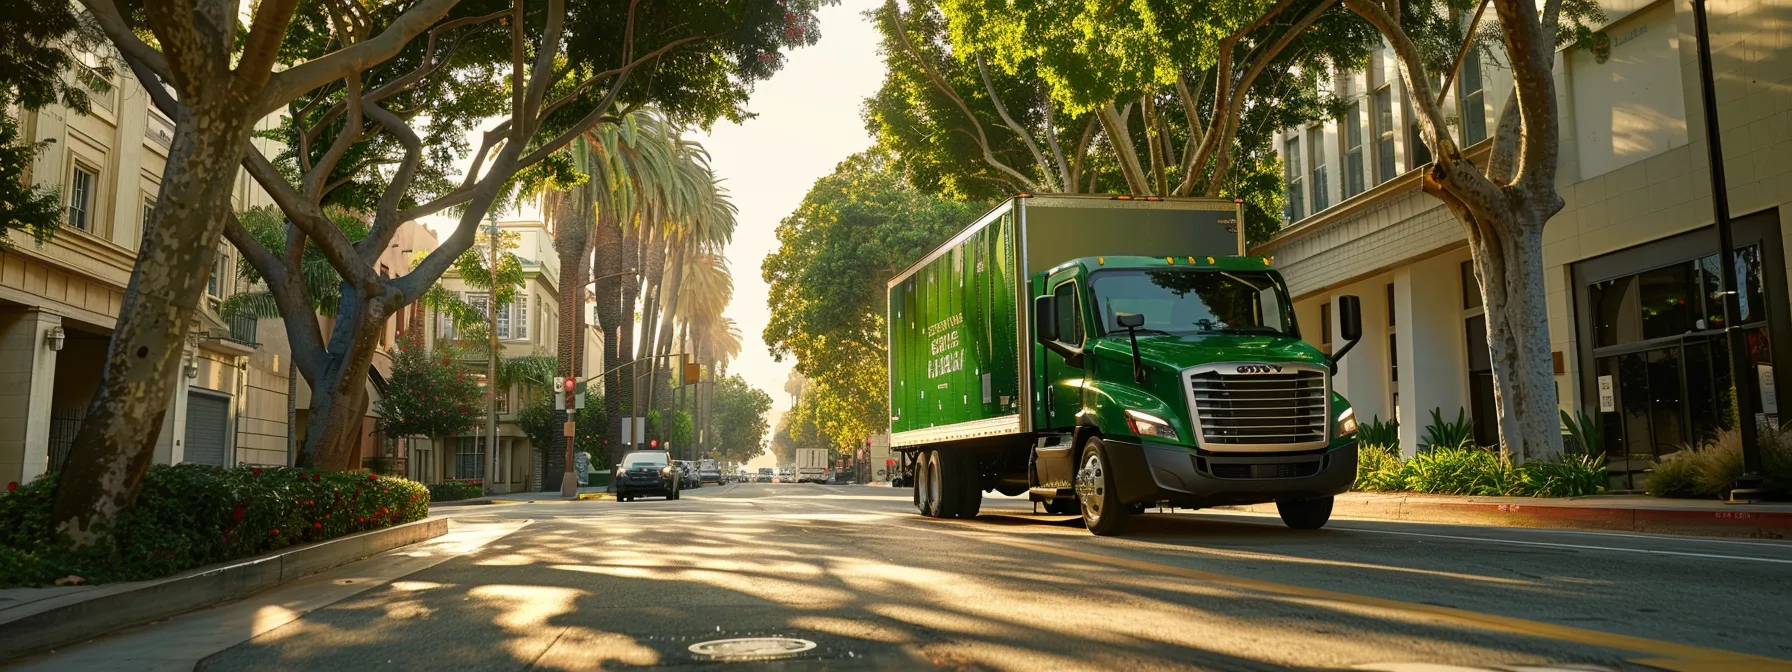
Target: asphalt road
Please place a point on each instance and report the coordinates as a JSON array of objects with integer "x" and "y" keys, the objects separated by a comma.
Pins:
[{"x": 590, "y": 585}]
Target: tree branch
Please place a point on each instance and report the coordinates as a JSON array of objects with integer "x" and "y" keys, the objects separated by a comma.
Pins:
[
  {"x": 1468, "y": 42},
  {"x": 1235, "y": 103},
  {"x": 1002, "y": 111},
  {"x": 945, "y": 87},
  {"x": 289, "y": 84},
  {"x": 262, "y": 46},
  {"x": 1051, "y": 137},
  {"x": 1114, "y": 123},
  {"x": 112, "y": 23},
  {"x": 350, "y": 134}
]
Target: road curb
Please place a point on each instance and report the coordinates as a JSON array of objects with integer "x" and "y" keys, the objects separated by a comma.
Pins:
[
  {"x": 1735, "y": 521},
  {"x": 73, "y": 617}
]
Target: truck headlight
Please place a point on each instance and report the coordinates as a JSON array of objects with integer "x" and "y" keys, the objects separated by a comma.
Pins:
[
  {"x": 1146, "y": 424},
  {"x": 1347, "y": 422}
]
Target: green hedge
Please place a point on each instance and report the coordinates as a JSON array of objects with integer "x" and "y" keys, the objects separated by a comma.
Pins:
[
  {"x": 448, "y": 491},
  {"x": 1470, "y": 470},
  {"x": 1710, "y": 469},
  {"x": 192, "y": 515}
]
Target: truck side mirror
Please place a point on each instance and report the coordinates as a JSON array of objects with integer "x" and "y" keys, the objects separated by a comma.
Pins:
[
  {"x": 1130, "y": 320},
  {"x": 1045, "y": 319},
  {"x": 1350, "y": 326}
]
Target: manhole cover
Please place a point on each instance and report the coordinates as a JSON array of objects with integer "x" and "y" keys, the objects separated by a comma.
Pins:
[{"x": 750, "y": 648}]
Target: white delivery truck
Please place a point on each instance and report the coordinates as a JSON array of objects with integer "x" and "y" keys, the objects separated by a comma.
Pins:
[{"x": 812, "y": 465}]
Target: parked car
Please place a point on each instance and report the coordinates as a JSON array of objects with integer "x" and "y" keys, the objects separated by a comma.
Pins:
[
  {"x": 709, "y": 471},
  {"x": 647, "y": 473},
  {"x": 764, "y": 475},
  {"x": 688, "y": 470}
]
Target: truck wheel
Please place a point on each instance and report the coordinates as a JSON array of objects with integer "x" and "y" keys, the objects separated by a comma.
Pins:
[
  {"x": 1305, "y": 514},
  {"x": 927, "y": 484},
  {"x": 1103, "y": 513},
  {"x": 960, "y": 494}
]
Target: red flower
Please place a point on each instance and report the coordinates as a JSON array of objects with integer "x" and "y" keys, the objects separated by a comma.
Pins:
[
  {"x": 360, "y": 519},
  {"x": 255, "y": 470},
  {"x": 274, "y": 532},
  {"x": 237, "y": 514},
  {"x": 317, "y": 526},
  {"x": 373, "y": 477},
  {"x": 12, "y": 486}
]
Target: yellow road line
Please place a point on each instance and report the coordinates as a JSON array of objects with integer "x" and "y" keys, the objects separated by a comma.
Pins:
[{"x": 1669, "y": 655}]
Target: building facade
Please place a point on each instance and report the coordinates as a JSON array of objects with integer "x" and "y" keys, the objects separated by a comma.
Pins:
[
  {"x": 59, "y": 303},
  {"x": 1630, "y": 262}
]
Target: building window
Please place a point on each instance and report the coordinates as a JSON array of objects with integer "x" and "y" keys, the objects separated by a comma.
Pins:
[
  {"x": 1480, "y": 382},
  {"x": 503, "y": 401},
  {"x": 1292, "y": 177},
  {"x": 1384, "y": 133},
  {"x": 214, "y": 286},
  {"x": 469, "y": 457},
  {"x": 1474, "y": 112},
  {"x": 1471, "y": 288},
  {"x": 81, "y": 187},
  {"x": 1353, "y": 150},
  {"x": 1316, "y": 158},
  {"x": 149, "y": 209},
  {"x": 503, "y": 326},
  {"x": 445, "y": 325},
  {"x": 521, "y": 326}
]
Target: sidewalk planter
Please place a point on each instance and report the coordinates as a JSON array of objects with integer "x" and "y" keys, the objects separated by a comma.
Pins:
[
  {"x": 67, "y": 615},
  {"x": 456, "y": 489},
  {"x": 191, "y": 515}
]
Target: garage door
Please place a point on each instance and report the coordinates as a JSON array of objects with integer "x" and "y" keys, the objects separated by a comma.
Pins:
[{"x": 207, "y": 417}]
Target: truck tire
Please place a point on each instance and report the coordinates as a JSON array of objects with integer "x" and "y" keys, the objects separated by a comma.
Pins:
[
  {"x": 1103, "y": 513},
  {"x": 927, "y": 482},
  {"x": 960, "y": 491},
  {"x": 1305, "y": 514}
]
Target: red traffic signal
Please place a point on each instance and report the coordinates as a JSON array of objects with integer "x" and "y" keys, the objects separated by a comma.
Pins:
[
  {"x": 654, "y": 443},
  {"x": 569, "y": 382}
]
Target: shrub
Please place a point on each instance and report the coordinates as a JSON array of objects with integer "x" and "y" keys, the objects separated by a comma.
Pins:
[
  {"x": 1378, "y": 432},
  {"x": 1441, "y": 434},
  {"x": 1584, "y": 434},
  {"x": 456, "y": 489},
  {"x": 1378, "y": 468},
  {"x": 1567, "y": 475},
  {"x": 1675, "y": 474},
  {"x": 190, "y": 515},
  {"x": 1450, "y": 470},
  {"x": 1711, "y": 469}
]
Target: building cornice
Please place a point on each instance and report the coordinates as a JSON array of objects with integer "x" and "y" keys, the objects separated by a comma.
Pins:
[{"x": 1376, "y": 196}]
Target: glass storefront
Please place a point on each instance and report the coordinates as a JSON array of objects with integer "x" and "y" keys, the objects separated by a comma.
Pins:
[{"x": 1655, "y": 368}]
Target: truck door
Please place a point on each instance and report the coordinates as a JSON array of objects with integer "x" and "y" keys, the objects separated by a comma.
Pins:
[{"x": 1064, "y": 382}]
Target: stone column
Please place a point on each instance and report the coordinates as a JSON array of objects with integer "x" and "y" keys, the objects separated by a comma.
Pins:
[
  {"x": 27, "y": 380},
  {"x": 1429, "y": 338}
]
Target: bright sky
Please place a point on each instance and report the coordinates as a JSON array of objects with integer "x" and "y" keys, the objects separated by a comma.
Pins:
[{"x": 808, "y": 121}]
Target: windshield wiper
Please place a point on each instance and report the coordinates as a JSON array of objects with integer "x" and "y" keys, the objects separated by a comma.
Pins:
[{"x": 1241, "y": 330}]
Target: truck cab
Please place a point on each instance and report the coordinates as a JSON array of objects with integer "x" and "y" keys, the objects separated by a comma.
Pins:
[{"x": 1183, "y": 380}]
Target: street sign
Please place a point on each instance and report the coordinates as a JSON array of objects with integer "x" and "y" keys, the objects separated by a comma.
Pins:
[{"x": 579, "y": 399}]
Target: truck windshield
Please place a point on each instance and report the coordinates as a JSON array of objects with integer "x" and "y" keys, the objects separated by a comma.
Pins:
[{"x": 1177, "y": 301}]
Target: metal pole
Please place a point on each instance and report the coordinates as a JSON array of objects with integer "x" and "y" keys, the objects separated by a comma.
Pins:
[
  {"x": 1741, "y": 369},
  {"x": 491, "y": 357},
  {"x": 569, "y": 486}
]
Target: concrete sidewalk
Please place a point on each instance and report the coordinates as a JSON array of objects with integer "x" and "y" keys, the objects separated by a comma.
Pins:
[{"x": 1623, "y": 513}]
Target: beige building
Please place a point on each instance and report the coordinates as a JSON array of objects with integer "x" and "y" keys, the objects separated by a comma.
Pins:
[
  {"x": 1630, "y": 262},
  {"x": 527, "y": 327},
  {"x": 59, "y": 303}
]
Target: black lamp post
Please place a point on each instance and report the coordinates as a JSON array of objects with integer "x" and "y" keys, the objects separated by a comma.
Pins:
[{"x": 1741, "y": 369}]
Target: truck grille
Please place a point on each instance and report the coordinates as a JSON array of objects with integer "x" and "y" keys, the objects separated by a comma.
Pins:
[{"x": 1273, "y": 409}]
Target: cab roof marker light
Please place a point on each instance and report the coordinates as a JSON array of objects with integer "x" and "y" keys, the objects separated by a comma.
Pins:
[
  {"x": 1192, "y": 260},
  {"x": 1210, "y": 260},
  {"x": 1170, "y": 260},
  {"x": 1101, "y": 261}
]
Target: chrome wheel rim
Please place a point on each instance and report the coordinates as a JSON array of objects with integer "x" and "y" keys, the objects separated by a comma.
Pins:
[{"x": 1091, "y": 485}]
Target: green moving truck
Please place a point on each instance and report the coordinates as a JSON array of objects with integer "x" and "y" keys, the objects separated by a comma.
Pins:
[{"x": 1109, "y": 354}]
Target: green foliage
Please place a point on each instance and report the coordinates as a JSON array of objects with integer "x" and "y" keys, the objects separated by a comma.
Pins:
[
  {"x": 456, "y": 489},
  {"x": 537, "y": 422},
  {"x": 589, "y": 431},
  {"x": 680, "y": 430},
  {"x": 323, "y": 285},
  {"x": 853, "y": 231},
  {"x": 191, "y": 515},
  {"x": 739, "y": 411},
  {"x": 1585, "y": 435},
  {"x": 654, "y": 428},
  {"x": 1441, "y": 434},
  {"x": 428, "y": 395},
  {"x": 40, "y": 43},
  {"x": 1380, "y": 433},
  {"x": 1711, "y": 469},
  {"x": 1378, "y": 468},
  {"x": 1469, "y": 470},
  {"x": 24, "y": 207}
]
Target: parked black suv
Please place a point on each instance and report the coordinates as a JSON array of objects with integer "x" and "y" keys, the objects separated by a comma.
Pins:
[{"x": 647, "y": 473}]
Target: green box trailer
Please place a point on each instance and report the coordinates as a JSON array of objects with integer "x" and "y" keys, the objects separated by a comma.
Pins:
[{"x": 1103, "y": 354}]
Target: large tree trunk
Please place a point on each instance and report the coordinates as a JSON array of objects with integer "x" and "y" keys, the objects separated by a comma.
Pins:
[
  {"x": 339, "y": 393},
  {"x": 607, "y": 246},
  {"x": 117, "y": 441},
  {"x": 667, "y": 310},
  {"x": 631, "y": 289},
  {"x": 653, "y": 280},
  {"x": 572, "y": 242}
]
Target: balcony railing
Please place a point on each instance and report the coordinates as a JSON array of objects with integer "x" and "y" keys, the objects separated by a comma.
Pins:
[{"x": 243, "y": 328}]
